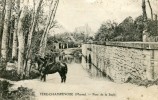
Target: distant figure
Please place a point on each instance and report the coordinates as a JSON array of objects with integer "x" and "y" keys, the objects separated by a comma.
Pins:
[{"x": 145, "y": 35}]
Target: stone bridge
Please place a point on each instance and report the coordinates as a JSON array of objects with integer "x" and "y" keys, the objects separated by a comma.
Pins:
[{"x": 123, "y": 60}]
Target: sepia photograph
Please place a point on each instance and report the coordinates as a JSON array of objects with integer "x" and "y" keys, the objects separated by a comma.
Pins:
[{"x": 78, "y": 49}]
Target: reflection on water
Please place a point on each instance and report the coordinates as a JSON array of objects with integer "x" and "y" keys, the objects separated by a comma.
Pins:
[
  {"x": 94, "y": 71},
  {"x": 70, "y": 59}
]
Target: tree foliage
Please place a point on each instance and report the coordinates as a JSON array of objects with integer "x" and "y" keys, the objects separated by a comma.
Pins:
[
  {"x": 25, "y": 27},
  {"x": 128, "y": 30}
]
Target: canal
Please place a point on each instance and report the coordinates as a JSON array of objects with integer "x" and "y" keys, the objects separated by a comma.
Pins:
[{"x": 79, "y": 61}]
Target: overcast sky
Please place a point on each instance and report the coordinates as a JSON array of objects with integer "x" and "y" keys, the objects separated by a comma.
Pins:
[{"x": 75, "y": 13}]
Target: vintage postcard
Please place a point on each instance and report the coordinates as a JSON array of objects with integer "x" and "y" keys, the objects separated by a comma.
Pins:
[{"x": 78, "y": 50}]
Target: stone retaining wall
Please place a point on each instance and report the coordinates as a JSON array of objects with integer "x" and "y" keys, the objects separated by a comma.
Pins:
[{"x": 121, "y": 61}]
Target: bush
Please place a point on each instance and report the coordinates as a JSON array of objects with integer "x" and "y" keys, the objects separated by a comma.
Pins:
[
  {"x": 14, "y": 76},
  {"x": 22, "y": 93},
  {"x": 145, "y": 82},
  {"x": 4, "y": 89},
  {"x": 33, "y": 75},
  {"x": 3, "y": 64},
  {"x": 10, "y": 75}
]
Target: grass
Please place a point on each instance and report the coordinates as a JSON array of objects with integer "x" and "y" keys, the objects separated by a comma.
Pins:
[{"x": 140, "y": 82}]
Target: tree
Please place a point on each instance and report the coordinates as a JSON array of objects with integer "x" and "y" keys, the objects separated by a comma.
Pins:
[
  {"x": 21, "y": 39},
  {"x": 144, "y": 10},
  {"x": 34, "y": 23},
  {"x": 49, "y": 22},
  {"x": 151, "y": 11},
  {"x": 15, "y": 39},
  {"x": 3, "y": 4},
  {"x": 21, "y": 24},
  {"x": 139, "y": 25},
  {"x": 127, "y": 30},
  {"x": 106, "y": 31},
  {"x": 5, "y": 34},
  {"x": 29, "y": 41}
]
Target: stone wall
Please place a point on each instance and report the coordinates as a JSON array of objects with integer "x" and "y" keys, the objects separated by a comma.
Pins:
[{"x": 121, "y": 61}]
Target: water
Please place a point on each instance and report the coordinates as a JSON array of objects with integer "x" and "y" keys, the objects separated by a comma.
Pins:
[
  {"x": 92, "y": 70},
  {"x": 69, "y": 59}
]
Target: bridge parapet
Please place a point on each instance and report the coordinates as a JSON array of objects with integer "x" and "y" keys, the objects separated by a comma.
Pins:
[
  {"x": 124, "y": 60},
  {"x": 137, "y": 45}
]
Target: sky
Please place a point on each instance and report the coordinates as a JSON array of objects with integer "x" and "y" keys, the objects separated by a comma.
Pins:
[{"x": 76, "y": 13}]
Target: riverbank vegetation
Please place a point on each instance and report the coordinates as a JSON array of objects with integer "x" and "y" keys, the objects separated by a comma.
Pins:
[{"x": 21, "y": 93}]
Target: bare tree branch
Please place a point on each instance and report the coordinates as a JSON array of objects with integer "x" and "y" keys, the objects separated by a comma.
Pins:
[
  {"x": 144, "y": 10},
  {"x": 151, "y": 11}
]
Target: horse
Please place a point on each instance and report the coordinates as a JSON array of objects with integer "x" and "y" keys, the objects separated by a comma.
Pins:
[
  {"x": 51, "y": 68},
  {"x": 45, "y": 67}
]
